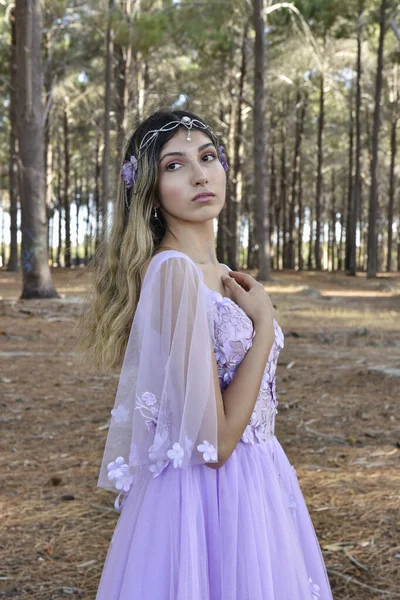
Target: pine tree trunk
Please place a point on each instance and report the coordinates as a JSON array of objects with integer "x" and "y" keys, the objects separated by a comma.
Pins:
[
  {"x": 332, "y": 240},
  {"x": 283, "y": 200},
  {"x": 318, "y": 196},
  {"x": 122, "y": 70},
  {"x": 107, "y": 124},
  {"x": 12, "y": 264},
  {"x": 78, "y": 203},
  {"x": 67, "y": 206},
  {"x": 350, "y": 214},
  {"x": 236, "y": 196},
  {"x": 340, "y": 260},
  {"x": 301, "y": 220},
  {"x": 260, "y": 188},
  {"x": 37, "y": 281},
  {"x": 60, "y": 203},
  {"x": 393, "y": 151},
  {"x": 292, "y": 206},
  {"x": 300, "y": 190},
  {"x": 274, "y": 224},
  {"x": 2, "y": 234},
  {"x": 97, "y": 193},
  {"x": 373, "y": 201},
  {"x": 356, "y": 192},
  {"x": 310, "y": 247}
]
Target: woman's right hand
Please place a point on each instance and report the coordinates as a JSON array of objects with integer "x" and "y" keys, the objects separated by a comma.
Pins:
[{"x": 251, "y": 296}]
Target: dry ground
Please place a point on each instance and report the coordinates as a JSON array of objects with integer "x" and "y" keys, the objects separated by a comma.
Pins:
[{"x": 338, "y": 389}]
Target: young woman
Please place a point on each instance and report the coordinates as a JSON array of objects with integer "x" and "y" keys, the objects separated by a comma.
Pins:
[{"x": 211, "y": 507}]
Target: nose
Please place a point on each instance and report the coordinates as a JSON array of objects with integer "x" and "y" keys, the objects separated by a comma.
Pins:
[{"x": 199, "y": 174}]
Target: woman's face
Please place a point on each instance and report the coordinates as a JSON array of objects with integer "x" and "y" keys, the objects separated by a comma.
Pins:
[{"x": 187, "y": 169}]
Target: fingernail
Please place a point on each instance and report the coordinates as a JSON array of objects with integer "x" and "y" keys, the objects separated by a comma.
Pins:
[{"x": 224, "y": 276}]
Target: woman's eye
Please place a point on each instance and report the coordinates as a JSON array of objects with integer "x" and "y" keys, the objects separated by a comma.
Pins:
[
  {"x": 170, "y": 166},
  {"x": 167, "y": 168},
  {"x": 210, "y": 154}
]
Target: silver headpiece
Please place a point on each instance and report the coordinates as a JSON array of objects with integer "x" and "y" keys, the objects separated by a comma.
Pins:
[{"x": 185, "y": 121}]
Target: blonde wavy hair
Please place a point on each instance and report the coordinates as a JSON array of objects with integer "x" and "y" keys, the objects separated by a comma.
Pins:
[{"x": 110, "y": 304}]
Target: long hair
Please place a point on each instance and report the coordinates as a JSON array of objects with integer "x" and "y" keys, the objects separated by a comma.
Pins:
[{"x": 105, "y": 321}]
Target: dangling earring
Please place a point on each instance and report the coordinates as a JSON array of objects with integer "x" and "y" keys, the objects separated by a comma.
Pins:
[{"x": 155, "y": 214}]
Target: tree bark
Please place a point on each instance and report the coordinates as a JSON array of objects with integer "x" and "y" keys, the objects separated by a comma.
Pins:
[
  {"x": 260, "y": 188},
  {"x": 107, "y": 125},
  {"x": 356, "y": 197},
  {"x": 373, "y": 201},
  {"x": 318, "y": 195},
  {"x": 12, "y": 264},
  {"x": 97, "y": 193},
  {"x": 301, "y": 220},
  {"x": 122, "y": 69},
  {"x": 67, "y": 205},
  {"x": 273, "y": 199},
  {"x": 310, "y": 247},
  {"x": 299, "y": 128},
  {"x": 393, "y": 151},
  {"x": 60, "y": 206},
  {"x": 234, "y": 213},
  {"x": 332, "y": 227},
  {"x": 37, "y": 282},
  {"x": 283, "y": 197},
  {"x": 350, "y": 213},
  {"x": 292, "y": 206}
]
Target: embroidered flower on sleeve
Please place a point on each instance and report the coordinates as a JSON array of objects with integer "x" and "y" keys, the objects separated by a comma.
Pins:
[
  {"x": 120, "y": 414},
  {"x": 160, "y": 439},
  {"x": 118, "y": 471},
  {"x": 188, "y": 445},
  {"x": 176, "y": 454},
  {"x": 314, "y": 588},
  {"x": 209, "y": 452},
  {"x": 157, "y": 467},
  {"x": 148, "y": 407},
  {"x": 149, "y": 398}
]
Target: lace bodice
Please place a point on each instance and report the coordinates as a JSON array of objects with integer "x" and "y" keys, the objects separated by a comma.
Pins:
[
  {"x": 233, "y": 335},
  {"x": 168, "y": 414}
]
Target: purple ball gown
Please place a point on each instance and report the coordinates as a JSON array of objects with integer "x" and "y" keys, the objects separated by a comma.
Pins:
[{"x": 241, "y": 532}]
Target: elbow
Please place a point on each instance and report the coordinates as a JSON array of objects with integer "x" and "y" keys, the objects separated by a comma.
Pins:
[{"x": 223, "y": 456}]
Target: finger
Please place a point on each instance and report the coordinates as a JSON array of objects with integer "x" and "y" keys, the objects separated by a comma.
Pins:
[
  {"x": 230, "y": 282},
  {"x": 244, "y": 279}
]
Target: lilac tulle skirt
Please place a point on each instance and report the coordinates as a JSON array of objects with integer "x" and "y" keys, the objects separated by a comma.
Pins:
[{"x": 242, "y": 532}]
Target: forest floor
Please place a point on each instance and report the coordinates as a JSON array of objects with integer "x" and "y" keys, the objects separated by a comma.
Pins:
[{"x": 338, "y": 384}]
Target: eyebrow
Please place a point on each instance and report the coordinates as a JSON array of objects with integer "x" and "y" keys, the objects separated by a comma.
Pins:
[{"x": 184, "y": 153}]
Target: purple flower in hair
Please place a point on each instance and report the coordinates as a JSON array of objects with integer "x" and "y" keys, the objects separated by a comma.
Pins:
[
  {"x": 222, "y": 158},
  {"x": 129, "y": 170}
]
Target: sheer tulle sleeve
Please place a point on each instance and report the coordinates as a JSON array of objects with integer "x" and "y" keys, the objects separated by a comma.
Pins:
[{"x": 165, "y": 409}]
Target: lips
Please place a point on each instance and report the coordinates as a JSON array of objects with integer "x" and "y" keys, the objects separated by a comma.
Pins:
[{"x": 203, "y": 197}]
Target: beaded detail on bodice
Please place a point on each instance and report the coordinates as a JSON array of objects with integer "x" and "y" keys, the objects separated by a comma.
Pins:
[{"x": 233, "y": 334}]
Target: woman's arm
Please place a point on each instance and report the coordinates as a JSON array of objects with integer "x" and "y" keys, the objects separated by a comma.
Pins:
[{"x": 236, "y": 404}]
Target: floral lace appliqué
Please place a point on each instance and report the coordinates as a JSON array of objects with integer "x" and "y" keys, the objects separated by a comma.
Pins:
[
  {"x": 148, "y": 407},
  {"x": 120, "y": 414},
  {"x": 162, "y": 452},
  {"x": 209, "y": 452},
  {"x": 314, "y": 589},
  {"x": 118, "y": 471},
  {"x": 233, "y": 336},
  {"x": 176, "y": 454}
]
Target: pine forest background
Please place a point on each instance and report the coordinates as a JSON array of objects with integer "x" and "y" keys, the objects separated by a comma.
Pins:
[
  {"x": 329, "y": 109},
  {"x": 305, "y": 97}
]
